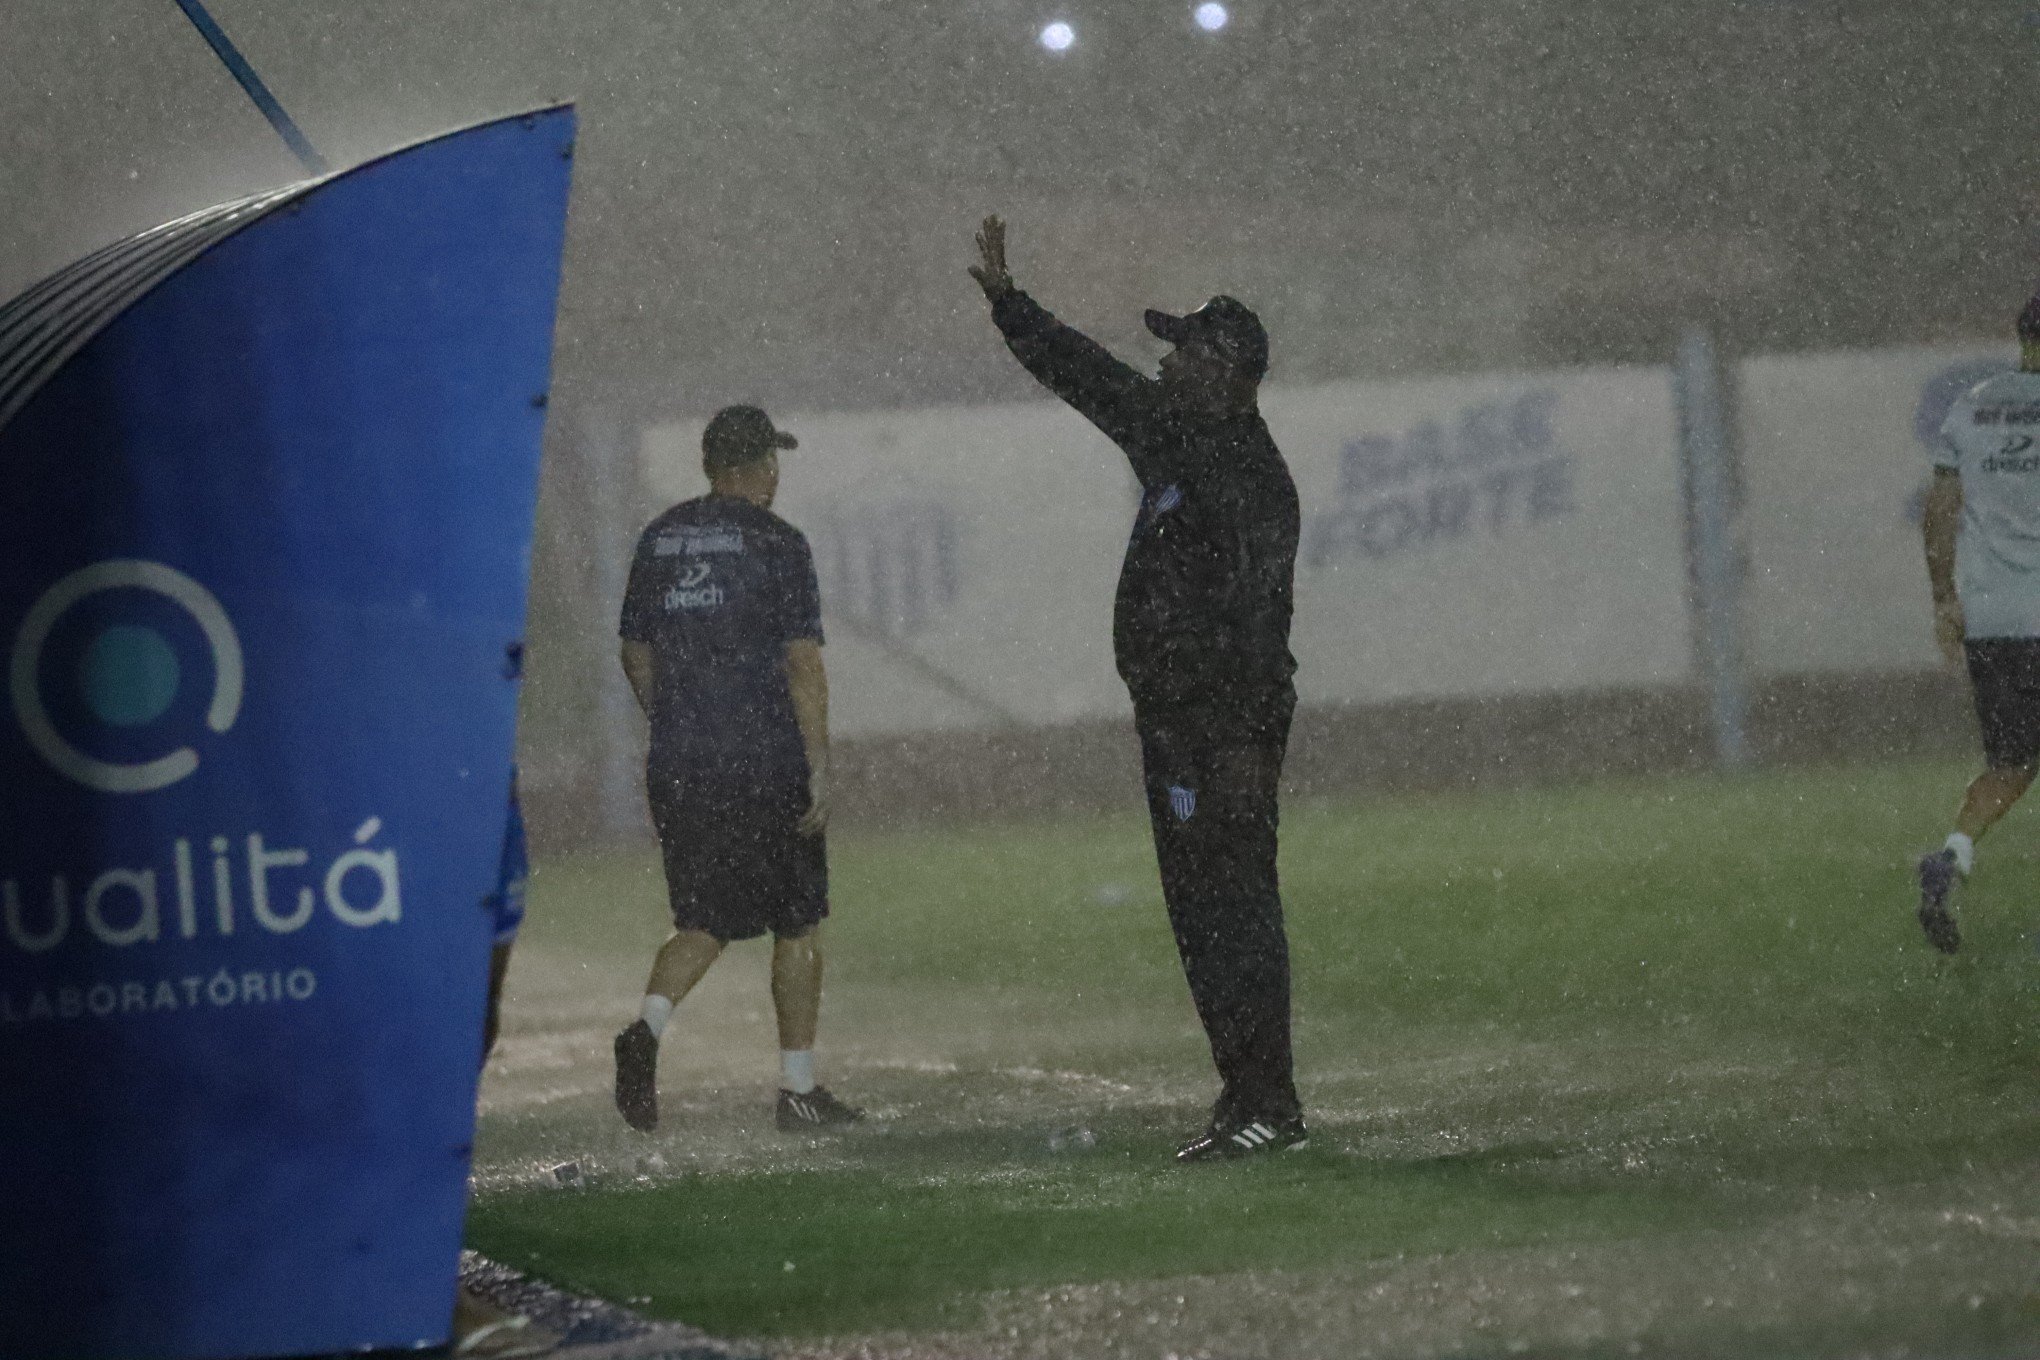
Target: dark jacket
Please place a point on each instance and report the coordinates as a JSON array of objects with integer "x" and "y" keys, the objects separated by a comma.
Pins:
[{"x": 1202, "y": 614}]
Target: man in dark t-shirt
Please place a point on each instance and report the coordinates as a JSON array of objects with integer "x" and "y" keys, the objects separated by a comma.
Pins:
[{"x": 722, "y": 639}]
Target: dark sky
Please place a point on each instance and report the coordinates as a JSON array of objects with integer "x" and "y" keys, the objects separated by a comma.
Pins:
[{"x": 775, "y": 199}]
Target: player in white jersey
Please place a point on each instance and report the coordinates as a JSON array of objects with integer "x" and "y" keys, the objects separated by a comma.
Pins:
[{"x": 1983, "y": 558}]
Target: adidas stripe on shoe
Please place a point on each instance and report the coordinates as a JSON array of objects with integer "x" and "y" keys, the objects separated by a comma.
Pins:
[
  {"x": 806, "y": 1111},
  {"x": 1245, "y": 1138}
]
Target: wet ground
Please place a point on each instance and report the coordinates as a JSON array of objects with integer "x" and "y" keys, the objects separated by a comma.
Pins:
[{"x": 1840, "y": 1169}]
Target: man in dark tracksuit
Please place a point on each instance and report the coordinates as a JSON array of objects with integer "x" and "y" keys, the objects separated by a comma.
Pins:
[{"x": 1201, "y": 635}]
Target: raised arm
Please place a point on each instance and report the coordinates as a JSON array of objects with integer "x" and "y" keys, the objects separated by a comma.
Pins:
[
  {"x": 1106, "y": 392},
  {"x": 1943, "y": 518}
]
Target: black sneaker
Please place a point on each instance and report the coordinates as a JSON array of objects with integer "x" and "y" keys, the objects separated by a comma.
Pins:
[
  {"x": 1245, "y": 1138},
  {"x": 637, "y": 1085},
  {"x": 804, "y": 1112},
  {"x": 1938, "y": 876}
]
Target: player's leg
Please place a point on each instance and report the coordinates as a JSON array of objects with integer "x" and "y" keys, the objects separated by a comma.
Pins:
[
  {"x": 1988, "y": 798},
  {"x": 506, "y": 906},
  {"x": 480, "y": 1328},
  {"x": 695, "y": 851},
  {"x": 1228, "y": 923},
  {"x": 804, "y": 1103},
  {"x": 797, "y": 992},
  {"x": 793, "y": 878},
  {"x": 1175, "y": 786},
  {"x": 485, "y": 1332},
  {"x": 1212, "y": 809},
  {"x": 499, "y": 969},
  {"x": 1984, "y": 803},
  {"x": 1241, "y": 855},
  {"x": 2004, "y": 677},
  {"x": 681, "y": 962}
]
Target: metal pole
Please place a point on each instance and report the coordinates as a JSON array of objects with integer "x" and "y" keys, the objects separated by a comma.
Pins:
[
  {"x": 608, "y": 460},
  {"x": 1717, "y": 556},
  {"x": 237, "y": 65}
]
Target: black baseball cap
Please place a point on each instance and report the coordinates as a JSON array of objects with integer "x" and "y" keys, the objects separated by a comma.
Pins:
[
  {"x": 737, "y": 435},
  {"x": 1227, "y": 325},
  {"x": 2029, "y": 321}
]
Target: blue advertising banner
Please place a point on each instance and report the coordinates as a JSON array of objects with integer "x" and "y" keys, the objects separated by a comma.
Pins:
[{"x": 267, "y": 483}]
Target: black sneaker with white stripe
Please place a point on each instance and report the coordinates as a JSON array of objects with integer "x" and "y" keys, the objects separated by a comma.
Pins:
[
  {"x": 637, "y": 1065},
  {"x": 806, "y": 1111},
  {"x": 1938, "y": 876},
  {"x": 1245, "y": 1138}
]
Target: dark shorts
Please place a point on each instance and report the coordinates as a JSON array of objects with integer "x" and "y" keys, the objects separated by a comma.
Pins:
[
  {"x": 736, "y": 864},
  {"x": 2004, "y": 675}
]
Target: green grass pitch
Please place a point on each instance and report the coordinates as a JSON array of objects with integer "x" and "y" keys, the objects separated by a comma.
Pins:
[{"x": 1653, "y": 1066}]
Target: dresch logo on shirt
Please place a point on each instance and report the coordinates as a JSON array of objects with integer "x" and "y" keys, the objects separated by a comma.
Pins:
[
  {"x": 693, "y": 590},
  {"x": 2016, "y": 455}
]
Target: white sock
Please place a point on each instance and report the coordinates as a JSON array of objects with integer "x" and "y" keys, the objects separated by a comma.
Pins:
[
  {"x": 797, "y": 1068},
  {"x": 655, "y": 1012},
  {"x": 1965, "y": 852}
]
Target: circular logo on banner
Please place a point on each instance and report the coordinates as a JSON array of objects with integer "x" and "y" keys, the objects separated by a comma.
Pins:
[{"x": 129, "y": 674}]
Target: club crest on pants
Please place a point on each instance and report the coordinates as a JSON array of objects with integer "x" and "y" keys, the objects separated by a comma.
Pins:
[{"x": 1183, "y": 801}]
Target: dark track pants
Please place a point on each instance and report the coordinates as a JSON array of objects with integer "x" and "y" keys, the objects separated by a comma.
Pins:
[{"x": 1211, "y": 791}]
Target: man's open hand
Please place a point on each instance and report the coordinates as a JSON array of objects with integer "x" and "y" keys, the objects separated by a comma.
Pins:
[
  {"x": 990, "y": 270},
  {"x": 1950, "y": 628},
  {"x": 816, "y": 819}
]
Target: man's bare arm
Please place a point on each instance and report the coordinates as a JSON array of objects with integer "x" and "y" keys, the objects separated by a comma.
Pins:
[
  {"x": 808, "y": 682},
  {"x": 638, "y": 666},
  {"x": 1943, "y": 519}
]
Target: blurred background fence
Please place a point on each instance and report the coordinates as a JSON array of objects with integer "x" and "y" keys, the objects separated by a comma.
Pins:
[
  {"x": 1543, "y": 564},
  {"x": 1503, "y": 577}
]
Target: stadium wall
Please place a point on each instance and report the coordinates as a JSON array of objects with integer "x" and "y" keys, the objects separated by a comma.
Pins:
[
  {"x": 1835, "y": 456},
  {"x": 968, "y": 556},
  {"x": 1493, "y": 587}
]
